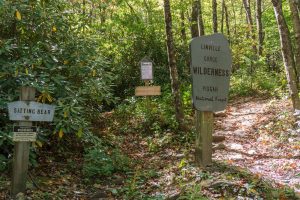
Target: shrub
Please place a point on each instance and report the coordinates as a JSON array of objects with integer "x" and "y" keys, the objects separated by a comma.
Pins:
[{"x": 98, "y": 161}]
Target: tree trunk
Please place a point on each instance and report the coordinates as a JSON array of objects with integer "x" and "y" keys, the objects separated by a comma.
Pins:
[
  {"x": 259, "y": 27},
  {"x": 296, "y": 26},
  {"x": 222, "y": 19},
  {"x": 200, "y": 20},
  {"x": 227, "y": 22},
  {"x": 195, "y": 16},
  {"x": 172, "y": 65},
  {"x": 234, "y": 16},
  {"x": 182, "y": 27},
  {"x": 215, "y": 16},
  {"x": 197, "y": 27},
  {"x": 184, "y": 40},
  {"x": 246, "y": 4},
  {"x": 287, "y": 53}
]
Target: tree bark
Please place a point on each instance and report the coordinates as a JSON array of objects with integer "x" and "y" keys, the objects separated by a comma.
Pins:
[
  {"x": 182, "y": 27},
  {"x": 215, "y": 16},
  {"x": 287, "y": 53},
  {"x": 184, "y": 40},
  {"x": 172, "y": 65},
  {"x": 234, "y": 15},
  {"x": 194, "y": 19},
  {"x": 246, "y": 4},
  {"x": 259, "y": 27},
  {"x": 296, "y": 26},
  {"x": 197, "y": 27},
  {"x": 200, "y": 20},
  {"x": 222, "y": 19},
  {"x": 227, "y": 21}
]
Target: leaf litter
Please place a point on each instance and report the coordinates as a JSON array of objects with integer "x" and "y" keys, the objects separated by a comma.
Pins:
[{"x": 258, "y": 160}]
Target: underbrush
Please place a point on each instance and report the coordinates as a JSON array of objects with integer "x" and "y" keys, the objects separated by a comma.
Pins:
[
  {"x": 145, "y": 115},
  {"x": 245, "y": 82},
  {"x": 98, "y": 163}
]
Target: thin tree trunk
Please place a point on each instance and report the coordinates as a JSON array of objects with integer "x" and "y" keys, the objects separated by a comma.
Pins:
[
  {"x": 172, "y": 65},
  {"x": 222, "y": 19},
  {"x": 182, "y": 28},
  {"x": 184, "y": 40},
  {"x": 83, "y": 8},
  {"x": 296, "y": 26},
  {"x": 250, "y": 23},
  {"x": 149, "y": 12},
  {"x": 215, "y": 16},
  {"x": 259, "y": 27},
  {"x": 197, "y": 27},
  {"x": 200, "y": 20},
  {"x": 234, "y": 16},
  {"x": 194, "y": 19},
  {"x": 227, "y": 22},
  {"x": 287, "y": 53}
]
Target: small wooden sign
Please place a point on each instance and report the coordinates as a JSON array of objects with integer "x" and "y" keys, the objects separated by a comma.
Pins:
[{"x": 147, "y": 91}]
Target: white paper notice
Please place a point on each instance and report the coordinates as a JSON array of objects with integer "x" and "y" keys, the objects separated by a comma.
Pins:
[{"x": 146, "y": 71}]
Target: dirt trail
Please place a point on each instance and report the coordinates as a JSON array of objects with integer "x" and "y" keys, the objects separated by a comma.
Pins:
[{"x": 249, "y": 128}]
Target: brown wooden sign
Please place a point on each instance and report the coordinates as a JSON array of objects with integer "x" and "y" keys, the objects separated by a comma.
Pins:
[{"x": 147, "y": 91}]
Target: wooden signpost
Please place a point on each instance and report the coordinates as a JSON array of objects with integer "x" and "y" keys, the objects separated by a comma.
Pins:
[
  {"x": 210, "y": 68},
  {"x": 25, "y": 112},
  {"x": 147, "y": 76}
]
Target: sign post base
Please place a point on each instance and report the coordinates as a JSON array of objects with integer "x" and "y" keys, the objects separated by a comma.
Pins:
[
  {"x": 21, "y": 151},
  {"x": 204, "y": 130}
]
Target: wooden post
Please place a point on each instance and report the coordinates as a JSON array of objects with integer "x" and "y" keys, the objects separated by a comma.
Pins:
[
  {"x": 204, "y": 130},
  {"x": 21, "y": 151},
  {"x": 147, "y": 83}
]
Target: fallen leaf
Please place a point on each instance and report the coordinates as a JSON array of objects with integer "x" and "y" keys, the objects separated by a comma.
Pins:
[
  {"x": 18, "y": 15},
  {"x": 60, "y": 133}
]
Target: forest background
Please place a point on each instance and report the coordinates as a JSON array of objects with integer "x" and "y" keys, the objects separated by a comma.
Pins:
[{"x": 83, "y": 56}]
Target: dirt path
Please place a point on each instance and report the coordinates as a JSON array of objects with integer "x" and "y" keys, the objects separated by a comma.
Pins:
[{"x": 257, "y": 139}]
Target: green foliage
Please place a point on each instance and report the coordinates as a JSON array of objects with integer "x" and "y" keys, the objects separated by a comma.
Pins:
[
  {"x": 121, "y": 162},
  {"x": 6, "y": 144},
  {"x": 152, "y": 115},
  {"x": 187, "y": 99},
  {"x": 192, "y": 192},
  {"x": 3, "y": 163},
  {"x": 42, "y": 45},
  {"x": 158, "y": 141},
  {"x": 99, "y": 162},
  {"x": 132, "y": 187},
  {"x": 245, "y": 81}
]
